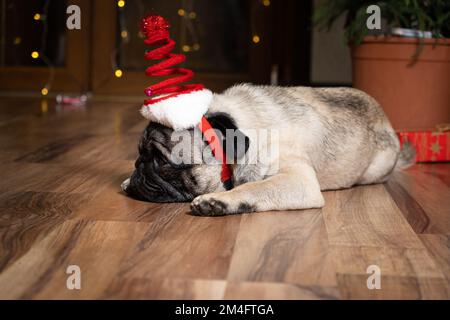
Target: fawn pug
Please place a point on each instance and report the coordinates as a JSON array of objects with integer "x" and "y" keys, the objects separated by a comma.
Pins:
[{"x": 326, "y": 139}]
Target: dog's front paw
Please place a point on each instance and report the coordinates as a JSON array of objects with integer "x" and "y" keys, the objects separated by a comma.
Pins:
[{"x": 207, "y": 205}]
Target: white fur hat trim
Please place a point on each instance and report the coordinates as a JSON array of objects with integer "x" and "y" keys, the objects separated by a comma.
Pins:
[{"x": 181, "y": 112}]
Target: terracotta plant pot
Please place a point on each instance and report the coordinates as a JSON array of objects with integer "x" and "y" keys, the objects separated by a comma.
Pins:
[{"x": 413, "y": 96}]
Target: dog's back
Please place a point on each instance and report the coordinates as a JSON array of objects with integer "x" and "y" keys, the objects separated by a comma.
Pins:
[{"x": 342, "y": 132}]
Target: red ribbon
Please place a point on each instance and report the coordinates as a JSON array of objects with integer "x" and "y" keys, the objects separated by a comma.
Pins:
[{"x": 216, "y": 147}]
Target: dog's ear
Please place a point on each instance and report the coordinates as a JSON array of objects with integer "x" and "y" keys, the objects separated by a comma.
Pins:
[{"x": 234, "y": 142}]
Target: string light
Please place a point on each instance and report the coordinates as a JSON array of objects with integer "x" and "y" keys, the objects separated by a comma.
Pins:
[
  {"x": 124, "y": 35},
  {"x": 44, "y": 106},
  {"x": 194, "y": 47},
  {"x": 40, "y": 53},
  {"x": 187, "y": 15},
  {"x": 256, "y": 38},
  {"x": 17, "y": 40}
]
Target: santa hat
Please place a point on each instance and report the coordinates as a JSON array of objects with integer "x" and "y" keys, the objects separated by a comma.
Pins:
[
  {"x": 176, "y": 106},
  {"x": 173, "y": 105}
]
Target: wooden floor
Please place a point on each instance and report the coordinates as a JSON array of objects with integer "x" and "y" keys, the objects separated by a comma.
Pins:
[{"x": 61, "y": 205}]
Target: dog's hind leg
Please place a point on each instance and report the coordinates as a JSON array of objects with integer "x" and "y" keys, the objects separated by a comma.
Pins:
[{"x": 296, "y": 188}]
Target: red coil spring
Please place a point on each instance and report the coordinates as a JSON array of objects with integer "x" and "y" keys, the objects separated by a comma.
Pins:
[{"x": 156, "y": 31}]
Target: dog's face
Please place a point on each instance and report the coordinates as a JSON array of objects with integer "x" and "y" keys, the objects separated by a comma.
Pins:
[{"x": 160, "y": 176}]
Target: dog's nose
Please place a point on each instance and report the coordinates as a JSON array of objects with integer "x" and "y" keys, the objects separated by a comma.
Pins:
[{"x": 125, "y": 185}]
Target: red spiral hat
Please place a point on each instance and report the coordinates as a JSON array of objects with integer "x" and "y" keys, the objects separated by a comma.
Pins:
[
  {"x": 155, "y": 29},
  {"x": 176, "y": 105},
  {"x": 170, "y": 103}
]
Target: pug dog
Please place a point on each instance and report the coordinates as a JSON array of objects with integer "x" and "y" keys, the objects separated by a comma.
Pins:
[{"x": 325, "y": 139}]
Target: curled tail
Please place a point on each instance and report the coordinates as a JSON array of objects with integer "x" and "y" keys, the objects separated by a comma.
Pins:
[{"x": 407, "y": 156}]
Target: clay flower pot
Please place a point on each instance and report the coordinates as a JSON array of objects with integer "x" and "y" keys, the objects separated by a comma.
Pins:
[{"x": 413, "y": 96}]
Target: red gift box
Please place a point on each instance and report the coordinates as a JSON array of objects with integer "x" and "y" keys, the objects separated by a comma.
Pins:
[{"x": 431, "y": 145}]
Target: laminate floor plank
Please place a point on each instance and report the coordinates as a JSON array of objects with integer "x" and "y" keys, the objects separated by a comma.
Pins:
[
  {"x": 25, "y": 217},
  {"x": 269, "y": 250},
  {"x": 365, "y": 228},
  {"x": 393, "y": 288},
  {"x": 165, "y": 288},
  {"x": 366, "y": 216},
  {"x": 438, "y": 246},
  {"x": 98, "y": 248},
  {"x": 279, "y": 291},
  {"x": 178, "y": 245},
  {"x": 440, "y": 170}
]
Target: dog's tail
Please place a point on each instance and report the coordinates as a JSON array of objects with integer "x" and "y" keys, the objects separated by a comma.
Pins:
[{"x": 407, "y": 156}]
